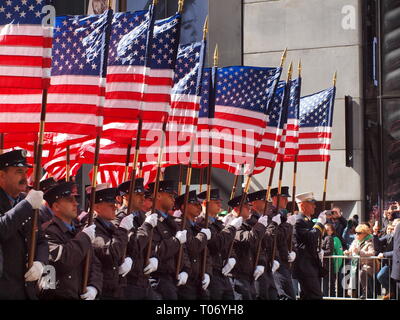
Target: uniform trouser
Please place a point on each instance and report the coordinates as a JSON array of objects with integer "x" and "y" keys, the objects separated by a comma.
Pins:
[
  {"x": 192, "y": 291},
  {"x": 133, "y": 292},
  {"x": 265, "y": 287},
  {"x": 244, "y": 289},
  {"x": 165, "y": 287},
  {"x": 284, "y": 284},
  {"x": 220, "y": 287},
  {"x": 310, "y": 288}
]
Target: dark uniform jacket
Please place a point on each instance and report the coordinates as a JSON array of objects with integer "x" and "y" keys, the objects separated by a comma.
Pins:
[
  {"x": 45, "y": 214},
  {"x": 68, "y": 250},
  {"x": 220, "y": 242},
  {"x": 15, "y": 234},
  {"x": 194, "y": 247},
  {"x": 307, "y": 263},
  {"x": 166, "y": 247},
  {"x": 109, "y": 247},
  {"x": 245, "y": 246},
  {"x": 396, "y": 254},
  {"x": 284, "y": 237}
]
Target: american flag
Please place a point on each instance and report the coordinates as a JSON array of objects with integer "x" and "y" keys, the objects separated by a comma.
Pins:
[
  {"x": 156, "y": 99},
  {"x": 126, "y": 65},
  {"x": 76, "y": 95},
  {"x": 315, "y": 128},
  {"x": 25, "y": 45},
  {"x": 182, "y": 121},
  {"x": 267, "y": 155},
  {"x": 242, "y": 98},
  {"x": 289, "y": 145}
]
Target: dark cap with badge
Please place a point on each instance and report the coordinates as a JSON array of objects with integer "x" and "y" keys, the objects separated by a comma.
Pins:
[
  {"x": 181, "y": 199},
  {"x": 258, "y": 195},
  {"x": 59, "y": 191},
  {"x": 214, "y": 195},
  {"x": 15, "y": 158},
  {"x": 123, "y": 188},
  {"x": 168, "y": 186},
  {"x": 106, "y": 195},
  {"x": 284, "y": 192},
  {"x": 235, "y": 202},
  {"x": 48, "y": 183}
]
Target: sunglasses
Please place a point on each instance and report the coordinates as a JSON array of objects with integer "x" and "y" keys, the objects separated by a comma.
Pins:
[{"x": 359, "y": 232}]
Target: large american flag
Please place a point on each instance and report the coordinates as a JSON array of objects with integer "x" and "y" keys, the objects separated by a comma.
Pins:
[
  {"x": 76, "y": 96},
  {"x": 268, "y": 152},
  {"x": 315, "y": 128},
  {"x": 242, "y": 98},
  {"x": 182, "y": 121},
  {"x": 156, "y": 98},
  {"x": 25, "y": 45},
  {"x": 289, "y": 144}
]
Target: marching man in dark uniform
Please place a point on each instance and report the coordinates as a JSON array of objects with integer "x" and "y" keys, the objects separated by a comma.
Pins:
[
  {"x": 166, "y": 242},
  {"x": 137, "y": 286},
  {"x": 307, "y": 266},
  {"x": 220, "y": 287},
  {"x": 245, "y": 246},
  {"x": 197, "y": 238},
  {"x": 68, "y": 245},
  {"x": 282, "y": 276},
  {"x": 16, "y": 282},
  {"x": 110, "y": 243},
  {"x": 265, "y": 285}
]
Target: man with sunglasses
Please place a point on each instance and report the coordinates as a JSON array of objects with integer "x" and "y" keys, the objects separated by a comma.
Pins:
[
  {"x": 16, "y": 212},
  {"x": 220, "y": 287},
  {"x": 167, "y": 239},
  {"x": 307, "y": 266},
  {"x": 197, "y": 237},
  {"x": 69, "y": 244}
]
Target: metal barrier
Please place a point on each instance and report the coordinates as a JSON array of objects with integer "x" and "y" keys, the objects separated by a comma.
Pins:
[{"x": 355, "y": 277}]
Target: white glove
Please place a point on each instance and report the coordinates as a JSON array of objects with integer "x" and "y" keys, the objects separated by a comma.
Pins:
[
  {"x": 205, "y": 282},
  {"x": 35, "y": 198},
  {"x": 321, "y": 255},
  {"x": 258, "y": 272},
  {"x": 207, "y": 232},
  {"x": 182, "y": 278},
  {"x": 292, "y": 219},
  {"x": 35, "y": 272},
  {"x": 181, "y": 236},
  {"x": 380, "y": 255},
  {"x": 91, "y": 293},
  {"x": 237, "y": 222},
  {"x": 263, "y": 220},
  {"x": 125, "y": 267},
  {"x": 228, "y": 266},
  {"x": 277, "y": 219},
  {"x": 127, "y": 222},
  {"x": 90, "y": 231},
  {"x": 152, "y": 266},
  {"x": 322, "y": 217},
  {"x": 152, "y": 219},
  {"x": 291, "y": 256},
  {"x": 275, "y": 266}
]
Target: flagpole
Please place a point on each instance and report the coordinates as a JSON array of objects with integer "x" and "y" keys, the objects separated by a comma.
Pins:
[
  {"x": 67, "y": 165},
  {"x": 141, "y": 175},
  {"x": 180, "y": 179},
  {"x": 1, "y": 143},
  {"x": 188, "y": 180},
  {"x": 37, "y": 176},
  {"x": 127, "y": 161},
  {"x": 201, "y": 179},
  {"x": 244, "y": 194},
  {"x": 233, "y": 192}
]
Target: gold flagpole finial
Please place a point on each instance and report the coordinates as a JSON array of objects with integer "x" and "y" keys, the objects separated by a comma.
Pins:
[
  {"x": 283, "y": 58},
  {"x": 334, "y": 79},
  {"x": 299, "y": 68},
  {"x": 290, "y": 71},
  {"x": 216, "y": 56},
  {"x": 155, "y": 2},
  {"x": 180, "y": 5},
  {"x": 109, "y": 4},
  {"x": 205, "y": 29}
]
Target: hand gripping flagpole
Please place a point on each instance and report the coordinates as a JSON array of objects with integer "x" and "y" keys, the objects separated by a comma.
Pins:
[
  {"x": 189, "y": 172},
  {"x": 37, "y": 176},
  {"x": 246, "y": 189}
]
